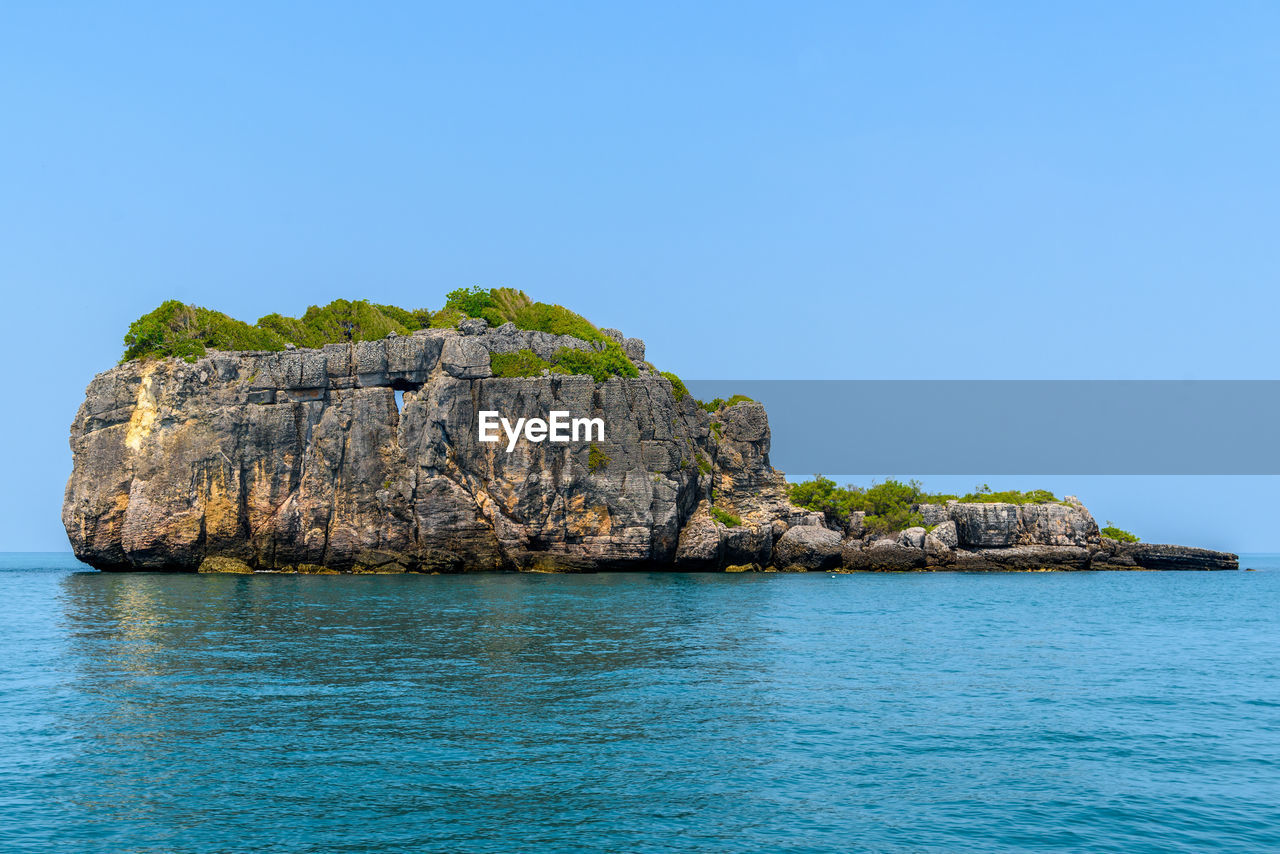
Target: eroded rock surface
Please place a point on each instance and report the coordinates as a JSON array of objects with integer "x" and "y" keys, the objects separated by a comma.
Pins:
[{"x": 304, "y": 460}]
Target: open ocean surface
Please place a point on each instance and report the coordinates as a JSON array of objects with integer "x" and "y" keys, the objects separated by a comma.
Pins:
[{"x": 1126, "y": 712}]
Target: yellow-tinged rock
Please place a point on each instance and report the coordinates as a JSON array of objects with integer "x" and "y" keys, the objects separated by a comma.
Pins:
[
  {"x": 225, "y": 564},
  {"x": 144, "y": 412}
]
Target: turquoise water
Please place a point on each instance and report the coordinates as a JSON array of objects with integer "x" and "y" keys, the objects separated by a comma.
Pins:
[{"x": 1125, "y": 712}]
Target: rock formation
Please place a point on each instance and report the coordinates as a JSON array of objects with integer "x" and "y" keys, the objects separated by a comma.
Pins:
[
  {"x": 365, "y": 457},
  {"x": 994, "y": 536}
]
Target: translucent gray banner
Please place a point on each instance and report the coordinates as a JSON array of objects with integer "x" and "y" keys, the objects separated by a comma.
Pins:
[{"x": 1017, "y": 426}]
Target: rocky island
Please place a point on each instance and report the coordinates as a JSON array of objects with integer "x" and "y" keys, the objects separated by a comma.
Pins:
[{"x": 347, "y": 441}]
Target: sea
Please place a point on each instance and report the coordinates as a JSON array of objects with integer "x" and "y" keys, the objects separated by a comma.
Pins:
[{"x": 920, "y": 712}]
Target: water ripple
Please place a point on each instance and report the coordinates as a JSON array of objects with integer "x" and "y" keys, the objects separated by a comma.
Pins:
[{"x": 893, "y": 713}]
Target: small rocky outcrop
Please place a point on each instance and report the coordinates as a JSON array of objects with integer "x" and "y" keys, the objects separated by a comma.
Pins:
[
  {"x": 1000, "y": 536},
  {"x": 1114, "y": 555}
]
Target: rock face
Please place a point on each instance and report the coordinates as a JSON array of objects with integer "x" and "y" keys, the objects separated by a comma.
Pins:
[
  {"x": 998, "y": 525},
  {"x": 366, "y": 457}
]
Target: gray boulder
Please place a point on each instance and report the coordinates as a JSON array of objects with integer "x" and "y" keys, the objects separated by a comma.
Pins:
[
  {"x": 465, "y": 358},
  {"x": 945, "y": 534},
  {"x": 912, "y": 538},
  {"x": 939, "y": 551},
  {"x": 809, "y": 547}
]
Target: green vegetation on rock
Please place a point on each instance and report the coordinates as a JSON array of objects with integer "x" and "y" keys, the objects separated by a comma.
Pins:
[
  {"x": 678, "y": 387},
  {"x": 984, "y": 495},
  {"x": 597, "y": 460},
  {"x": 557, "y": 320},
  {"x": 189, "y": 332},
  {"x": 521, "y": 363},
  {"x": 345, "y": 320},
  {"x": 724, "y": 517},
  {"x": 599, "y": 364},
  {"x": 681, "y": 391},
  {"x": 1118, "y": 534},
  {"x": 447, "y": 318},
  {"x": 474, "y": 302},
  {"x": 888, "y": 504},
  {"x": 715, "y": 405},
  {"x": 419, "y": 318},
  {"x": 508, "y": 305}
]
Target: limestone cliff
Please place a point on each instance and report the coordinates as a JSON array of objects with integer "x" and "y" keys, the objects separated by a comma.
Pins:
[{"x": 366, "y": 457}]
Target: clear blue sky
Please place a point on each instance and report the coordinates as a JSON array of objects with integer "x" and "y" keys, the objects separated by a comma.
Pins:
[{"x": 891, "y": 190}]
